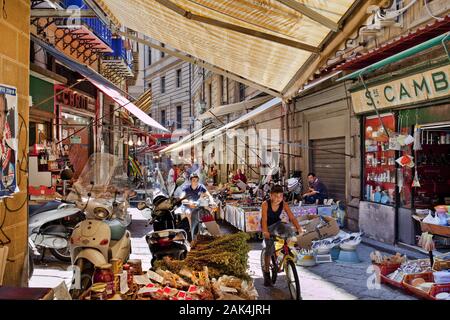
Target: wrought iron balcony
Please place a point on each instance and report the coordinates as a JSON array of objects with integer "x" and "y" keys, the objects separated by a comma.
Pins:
[
  {"x": 120, "y": 60},
  {"x": 94, "y": 25}
]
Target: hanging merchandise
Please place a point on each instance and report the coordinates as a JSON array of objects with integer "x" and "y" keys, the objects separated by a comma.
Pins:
[
  {"x": 417, "y": 138},
  {"x": 394, "y": 143},
  {"x": 400, "y": 179},
  {"x": 408, "y": 140},
  {"x": 416, "y": 182},
  {"x": 406, "y": 161}
]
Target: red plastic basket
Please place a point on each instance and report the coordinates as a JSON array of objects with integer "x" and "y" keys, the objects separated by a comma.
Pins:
[
  {"x": 427, "y": 276},
  {"x": 438, "y": 288},
  {"x": 385, "y": 270}
]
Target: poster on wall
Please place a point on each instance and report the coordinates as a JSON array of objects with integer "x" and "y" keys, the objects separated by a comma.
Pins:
[{"x": 8, "y": 140}]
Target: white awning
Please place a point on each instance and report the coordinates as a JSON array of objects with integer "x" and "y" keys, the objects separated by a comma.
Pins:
[
  {"x": 217, "y": 132},
  {"x": 268, "y": 43},
  {"x": 233, "y": 107},
  {"x": 191, "y": 136}
]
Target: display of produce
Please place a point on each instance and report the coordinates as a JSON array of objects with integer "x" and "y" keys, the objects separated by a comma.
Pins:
[{"x": 224, "y": 255}]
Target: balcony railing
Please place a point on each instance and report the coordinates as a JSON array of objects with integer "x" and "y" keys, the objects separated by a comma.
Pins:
[
  {"x": 100, "y": 29},
  {"x": 120, "y": 53}
]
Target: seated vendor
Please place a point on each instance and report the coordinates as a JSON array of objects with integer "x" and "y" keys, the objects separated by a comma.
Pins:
[
  {"x": 239, "y": 176},
  {"x": 317, "y": 190}
]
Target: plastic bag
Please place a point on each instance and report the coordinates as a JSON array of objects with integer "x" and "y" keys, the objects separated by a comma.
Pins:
[{"x": 432, "y": 220}]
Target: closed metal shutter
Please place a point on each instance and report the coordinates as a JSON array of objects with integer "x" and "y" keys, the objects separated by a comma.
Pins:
[{"x": 330, "y": 167}]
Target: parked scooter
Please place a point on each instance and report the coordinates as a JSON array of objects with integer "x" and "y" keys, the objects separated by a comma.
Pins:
[
  {"x": 170, "y": 242},
  {"x": 50, "y": 226},
  {"x": 104, "y": 235},
  {"x": 170, "y": 235}
]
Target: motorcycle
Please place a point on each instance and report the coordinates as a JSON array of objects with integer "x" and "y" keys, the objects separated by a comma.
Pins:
[
  {"x": 103, "y": 235},
  {"x": 293, "y": 189},
  {"x": 200, "y": 213},
  {"x": 50, "y": 226}
]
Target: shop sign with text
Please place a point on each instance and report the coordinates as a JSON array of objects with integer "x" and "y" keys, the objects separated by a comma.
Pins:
[
  {"x": 73, "y": 99},
  {"x": 428, "y": 85}
]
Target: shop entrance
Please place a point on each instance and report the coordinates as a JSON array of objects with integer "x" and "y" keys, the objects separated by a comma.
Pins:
[
  {"x": 330, "y": 166},
  {"x": 77, "y": 146}
]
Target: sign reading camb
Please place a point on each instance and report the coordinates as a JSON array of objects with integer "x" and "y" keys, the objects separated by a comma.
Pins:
[{"x": 423, "y": 86}]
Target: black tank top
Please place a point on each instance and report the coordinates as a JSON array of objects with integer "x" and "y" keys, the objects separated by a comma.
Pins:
[{"x": 273, "y": 217}]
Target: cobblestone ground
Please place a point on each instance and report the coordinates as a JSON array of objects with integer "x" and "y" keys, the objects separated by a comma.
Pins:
[{"x": 327, "y": 281}]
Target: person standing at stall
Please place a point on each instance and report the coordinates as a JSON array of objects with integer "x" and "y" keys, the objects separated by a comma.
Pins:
[
  {"x": 212, "y": 173},
  {"x": 271, "y": 211}
]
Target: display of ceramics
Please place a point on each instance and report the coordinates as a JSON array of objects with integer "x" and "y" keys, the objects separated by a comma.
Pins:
[
  {"x": 443, "y": 296},
  {"x": 377, "y": 197},
  {"x": 384, "y": 199},
  {"x": 417, "y": 282}
]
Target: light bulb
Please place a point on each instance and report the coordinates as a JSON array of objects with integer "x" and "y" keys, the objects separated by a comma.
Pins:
[
  {"x": 130, "y": 142},
  {"x": 139, "y": 142}
]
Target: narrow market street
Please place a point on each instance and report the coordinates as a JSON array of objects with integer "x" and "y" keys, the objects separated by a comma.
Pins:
[
  {"x": 327, "y": 281},
  {"x": 182, "y": 150}
]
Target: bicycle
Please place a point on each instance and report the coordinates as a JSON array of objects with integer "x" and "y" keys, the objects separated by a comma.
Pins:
[{"x": 283, "y": 259}]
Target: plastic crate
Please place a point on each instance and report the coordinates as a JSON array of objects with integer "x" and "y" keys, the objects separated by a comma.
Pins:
[
  {"x": 387, "y": 269},
  {"x": 427, "y": 276},
  {"x": 438, "y": 288}
]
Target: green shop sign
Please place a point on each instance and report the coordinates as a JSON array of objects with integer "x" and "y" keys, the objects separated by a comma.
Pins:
[{"x": 423, "y": 86}]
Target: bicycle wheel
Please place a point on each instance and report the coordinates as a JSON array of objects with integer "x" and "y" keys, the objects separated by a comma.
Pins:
[
  {"x": 273, "y": 269},
  {"x": 293, "y": 281}
]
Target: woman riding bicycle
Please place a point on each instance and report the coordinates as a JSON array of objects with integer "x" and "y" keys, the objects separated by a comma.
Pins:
[{"x": 271, "y": 211}]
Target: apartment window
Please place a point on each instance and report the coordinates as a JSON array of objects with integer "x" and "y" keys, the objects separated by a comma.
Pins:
[
  {"x": 241, "y": 92},
  {"x": 149, "y": 55},
  {"x": 163, "y": 117},
  {"x": 179, "y": 118},
  {"x": 178, "y": 78},
  {"x": 163, "y": 84},
  {"x": 162, "y": 52},
  {"x": 209, "y": 86}
]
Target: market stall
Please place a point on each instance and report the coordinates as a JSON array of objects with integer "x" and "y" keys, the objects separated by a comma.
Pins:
[
  {"x": 215, "y": 268},
  {"x": 423, "y": 278}
]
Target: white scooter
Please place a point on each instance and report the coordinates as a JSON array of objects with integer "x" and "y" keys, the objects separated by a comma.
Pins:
[
  {"x": 50, "y": 226},
  {"x": 104, "y": 235}
]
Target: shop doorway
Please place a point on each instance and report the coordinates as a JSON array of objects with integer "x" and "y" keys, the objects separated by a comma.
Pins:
[{"x": 330, "y": 166}]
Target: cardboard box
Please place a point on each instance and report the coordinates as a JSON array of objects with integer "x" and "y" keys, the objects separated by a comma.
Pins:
[
  {"x": 213, "y": 228},
  {"x": 330, "y": 229}
]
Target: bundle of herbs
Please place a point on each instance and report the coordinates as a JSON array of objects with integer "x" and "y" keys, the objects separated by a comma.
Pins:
[{"x": 224, "y": 255}]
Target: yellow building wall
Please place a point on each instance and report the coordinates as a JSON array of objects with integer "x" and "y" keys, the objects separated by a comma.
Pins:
[{"x": 14, "y": 71}]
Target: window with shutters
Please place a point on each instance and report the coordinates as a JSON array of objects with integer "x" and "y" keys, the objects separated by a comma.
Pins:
[{"x": 179, "y": 117}]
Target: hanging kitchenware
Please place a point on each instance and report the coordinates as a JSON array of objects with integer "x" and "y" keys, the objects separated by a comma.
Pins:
[
  {"x": 416, "y": 182},
  {"x": 399, "y": 179},
  {"x": 417, "y": 138}
]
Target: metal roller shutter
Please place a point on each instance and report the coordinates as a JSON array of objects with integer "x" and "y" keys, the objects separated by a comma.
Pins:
[{"x": 330, "y": 167}]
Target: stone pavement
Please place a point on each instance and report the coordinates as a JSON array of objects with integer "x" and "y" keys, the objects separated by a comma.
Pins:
[{"x": 327, "y": 281}]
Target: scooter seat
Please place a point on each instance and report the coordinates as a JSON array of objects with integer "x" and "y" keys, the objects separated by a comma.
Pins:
[
  {"x": 51, "y": 205},
  {"x": 117, "y": 229}
]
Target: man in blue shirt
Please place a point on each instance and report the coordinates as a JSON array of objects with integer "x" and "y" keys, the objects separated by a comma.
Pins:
[
  {"x": 317, "y": 190},
  {"x": 196, "y": 190}
]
